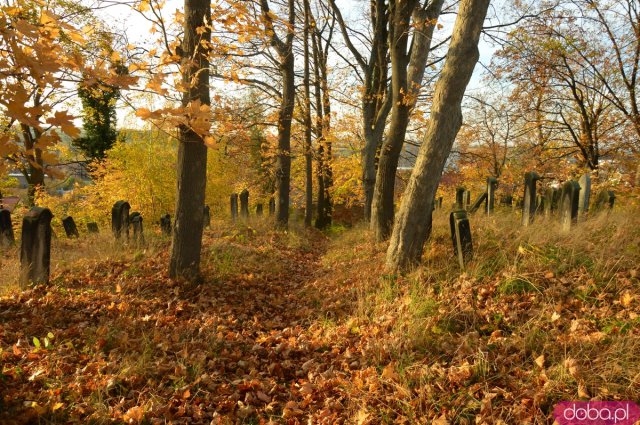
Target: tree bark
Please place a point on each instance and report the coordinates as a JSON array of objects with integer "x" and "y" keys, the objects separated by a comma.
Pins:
[
  {"x": 283, "y": 157},
  {"x": 308, "y": 154},
  {"x": 407, "y": 70},
  {"x": 192, "y": 152},
  {"x": 412, "y": 223},
  {"x": 376, "y": 102}
]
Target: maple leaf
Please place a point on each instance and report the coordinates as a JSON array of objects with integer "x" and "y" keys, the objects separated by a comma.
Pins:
[{"x": 65, "y": 121}]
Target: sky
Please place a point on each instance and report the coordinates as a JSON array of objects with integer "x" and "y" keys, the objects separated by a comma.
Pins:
[{"x": 123, "y": 19}]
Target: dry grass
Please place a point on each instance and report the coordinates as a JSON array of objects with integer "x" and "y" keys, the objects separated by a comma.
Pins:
[
  {"x": 465, "y": 345},
  {"x": 539, "y": 316}
]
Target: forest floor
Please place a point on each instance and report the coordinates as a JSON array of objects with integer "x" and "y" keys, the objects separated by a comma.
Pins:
[{"x": 305, "y": 327}]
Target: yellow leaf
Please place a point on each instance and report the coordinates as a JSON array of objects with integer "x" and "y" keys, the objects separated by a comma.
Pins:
[
  {"x": 540, "y": 361},
  {"x": 57, "y": 406}
]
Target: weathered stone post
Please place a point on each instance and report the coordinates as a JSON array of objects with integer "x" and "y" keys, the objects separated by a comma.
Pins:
[
  {"x": 92, "y": 227},
  {"x": 551, "y": 198},
  {"x": 234, "y": 206},
  {"x": 244, "y": 203},
  {"x": 165, "y": 224},
  {"x": 467, "y": 198},
  {"x": 529, "y": 201},
  {"x": 492, "y": 183},
  {"x": 6, "y": 229},
  {"x": 606, "y": 199},
  {"x": 569, "y": 204},
  {"x": 585, "y": 193},
  {"x": 70, "y": 227},
  {"x": 206, "y": 218},
  {"x": 272, "y": 206},
  {"x": 35, "y": 251},
  {"x": 136, "y": 223},
  {"x": 120, "y": 220},
  {"x": 482, "y": 198},
  {"x": 259, "y": 210},
  {"x": 461, "y": 237},
  {"x": 460, "y": 197}
]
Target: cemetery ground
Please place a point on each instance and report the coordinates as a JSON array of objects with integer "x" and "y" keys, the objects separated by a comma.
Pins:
[{"x": 304, "y": 327}]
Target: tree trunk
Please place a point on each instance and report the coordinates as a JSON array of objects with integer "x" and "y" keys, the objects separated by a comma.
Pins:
[
  {"x": 406, "y": 80},
  {"x": 412, "y": 224},
  {"x": 192, "y": 153},
  {"x": 283, "y": 156},
  {"x": 308, "y": 213}
]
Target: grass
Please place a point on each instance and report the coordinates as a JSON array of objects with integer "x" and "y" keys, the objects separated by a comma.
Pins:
[{"x": 311, "y": 323}]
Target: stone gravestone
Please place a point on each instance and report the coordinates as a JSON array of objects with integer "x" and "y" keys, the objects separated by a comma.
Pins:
[
  {"x": 259, "y": 210},
  {"x": 136, "y": 222},
  {"x": 467, "y": 199},
  {"x": 551, "y": 198},
  {"x": 606, "y": 199},
  {"x": 272, "y": 206},
  {"x": 474, "y": 207},
  {"x": 120, "y": 220},
  {"x": 585, "y": 193},
  {"x": 460, "y": 197},
  {"x": 6, "y": 229},
  {"x": 461, "y": 237},
  {"x": 70, "y": 227},
  {"x": 206, "y": 219},
  {"x": 506, "y": 200},
  {"x": 234, "y": 206},
  {"x": 492, "y": 183},
  {"x": 165, "y": 224},
  {"x": 529, "y": 201},
  {"x": 540, "y": 204},
  {"x": 35, "y": 251},
  {"x": 92, "y": 227},
  {"x": 244, "y": 203},
  {"x": 569, "y": 204}
]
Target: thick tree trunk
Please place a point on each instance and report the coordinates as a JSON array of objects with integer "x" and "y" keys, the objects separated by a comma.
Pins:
[
  {"x": 34, "y": 173},
  {"x": 406, "y": 80},
  {"x": 412, "y": 223},
  {"x": 192, "y": 153}
]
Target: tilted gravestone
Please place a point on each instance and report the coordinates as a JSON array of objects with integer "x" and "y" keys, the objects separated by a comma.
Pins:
[
  {"x": 6, "y": 229},
  {"x": 467, "y": 198},
  {"x": 460, "y": 197},
  {"x": 35, "y": 251},
  {"x": 272, "y": 206},
  {"x": 585, "y": 193},
  {"x": 244, "y": 203},
  {"x": 92, "y": 227},
  {"x": 569, "y": 204},
  {"x": 234, "y": 206},
  {"x": 606, "y": 199},
  {"x": 259, "y": 210},
  {"x": 165, "y": 224},
  {"x": 120, "y": 220},
  {"x": 206, "y": 219},
  {"x": 461, "y": 237},
  {"x": 136, "y": 223},
  {"x": 70, "y": 227},
  {"x": 476, "y": 205},
  {"x": 492, "y": 183},
  {"x": 529, "y": 201},
  {"x": 551, "y": 199}
]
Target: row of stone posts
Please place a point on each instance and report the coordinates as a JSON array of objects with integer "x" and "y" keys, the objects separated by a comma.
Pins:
[{"x": 244, "y": 206}]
